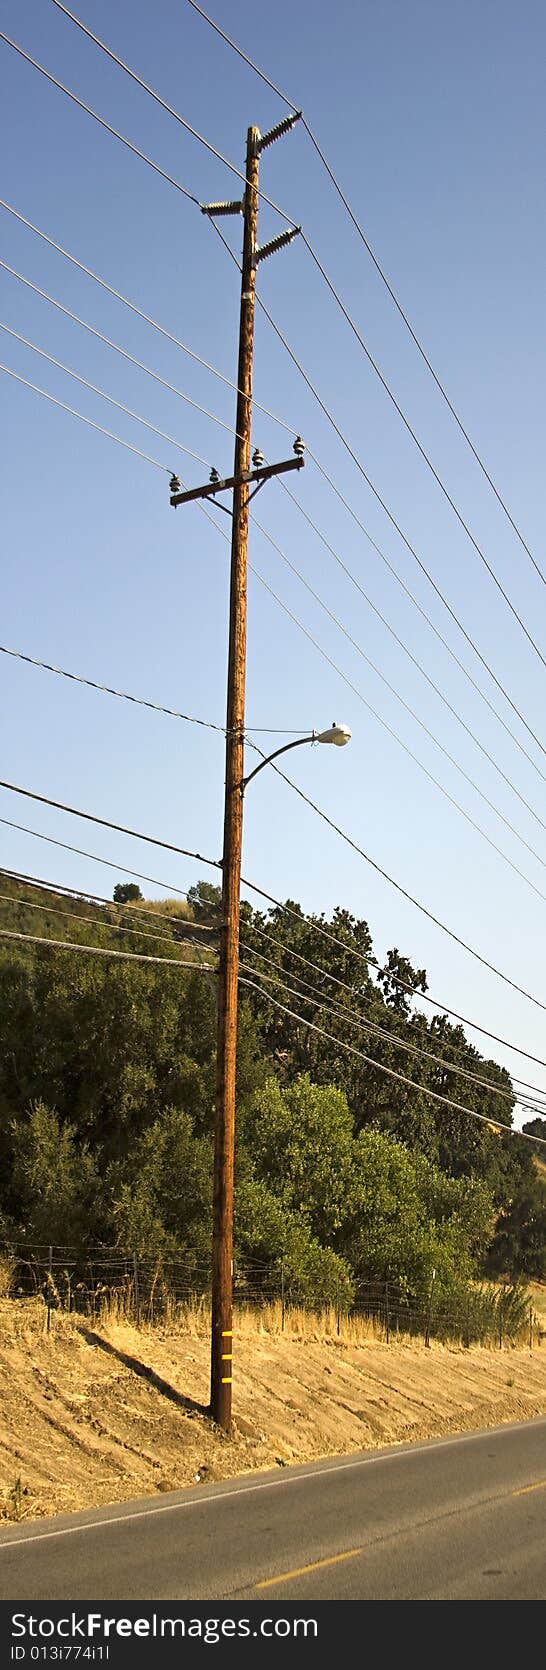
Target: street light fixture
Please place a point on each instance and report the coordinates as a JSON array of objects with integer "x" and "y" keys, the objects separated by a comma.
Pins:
[{"x": 338, "y": 735}]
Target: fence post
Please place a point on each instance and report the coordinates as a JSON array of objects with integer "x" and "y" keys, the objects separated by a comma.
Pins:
[
  {"x": 500, "y": 1321},
  {"x": 137, "y": 1295},
  {"x": 282, "y": 1296},
  {"x": 387, "y": 1314},
  {"x": 429, "y": 1311},
  {"x": 530, "y": 1327},
  {"x": 49, "y": 1281},
  {"x": 338, "y": 1308}
]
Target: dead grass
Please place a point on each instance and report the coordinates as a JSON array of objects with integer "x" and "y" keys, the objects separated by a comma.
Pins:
[{"x": 101, "y": 1412}]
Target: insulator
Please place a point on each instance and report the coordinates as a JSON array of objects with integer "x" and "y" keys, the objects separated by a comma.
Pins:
[
  {"x": 299, "y": 446},
  {"x": 258, "y": 458},
  {"x": 222, "y": 208},
  {"x": 174, "y": 484},
  {"x": 214, "y": 476},
  {"x": 276, "y": 243},
  {"x": 277, "y": 133}
]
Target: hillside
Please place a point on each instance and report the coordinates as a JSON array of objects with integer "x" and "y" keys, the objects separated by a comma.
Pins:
[{"x": 81, "y": 1427}]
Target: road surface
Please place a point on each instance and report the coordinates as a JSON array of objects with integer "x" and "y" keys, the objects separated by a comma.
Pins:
[{"x": 448, "y": 1519}]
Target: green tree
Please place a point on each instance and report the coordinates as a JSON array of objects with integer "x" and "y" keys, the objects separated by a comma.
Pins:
[
  {"x": 54, "y": 1181},
  {"x": 126, "y": 893}
]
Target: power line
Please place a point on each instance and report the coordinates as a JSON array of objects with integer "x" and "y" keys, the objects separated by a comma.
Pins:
[
  {"x": 326, "y": 657},
  {"x": 186, "y": 193},
  {"x": 356, "y": 992},
  {"x": 108, "y": 690},
  {"x": 383, "y": 276},
  {"x": 215, "y": 863},
  {"x": 409, "y": 653},
  {"x": 325, "y": 474},
  {"x": 336, "y": 1010},
  {"x": 84, "y": 381},
  {"x": 330, "y": 1006},
  {"x": 121, "y": 868},
  {"x": 90, "y": 817},
  {"x": 119, "y": 350},
  {"x": 89, "y": 421},
  {"x": 104, "y": 951},
  {"x": 287, "y": 910},
  {"x": 140, "y": 314},
  {"x": 141, "y": 701},
  {"x": 403, "y": 891},
  {"x": 100, "y": 119},
  {"x": 177, "y": 962},
  {"x": 408, "y": 709},
  {"x": 360, "y": 467},
  {"x": 164, "y": 106},
  {"x": 135, "y": 908},
  {"x": 427, "y": 618},
  {"x": 424, "y": 454},
  {"x": 459, "y": 1107},
  {"x": 88, "y": 921}
]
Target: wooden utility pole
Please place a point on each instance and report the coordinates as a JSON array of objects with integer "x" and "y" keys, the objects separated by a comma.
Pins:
[
  {"x": 228, "y": 975},
  {"x": 244, "y": 479}
]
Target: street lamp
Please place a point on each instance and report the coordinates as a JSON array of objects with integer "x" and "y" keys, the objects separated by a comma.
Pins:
[
  {"x": 224, "y": 1135},
  {"x": 338, "y": 735}
]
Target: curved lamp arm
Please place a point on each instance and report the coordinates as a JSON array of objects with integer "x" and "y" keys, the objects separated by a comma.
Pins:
[{"x": 284, "y": 750}]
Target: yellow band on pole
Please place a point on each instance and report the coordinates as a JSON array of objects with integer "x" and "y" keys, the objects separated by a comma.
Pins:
[{"x": 227, "y": 1380}]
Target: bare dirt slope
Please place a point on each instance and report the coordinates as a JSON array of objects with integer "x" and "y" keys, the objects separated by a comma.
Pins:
[{"x": 95, "y": 1416}]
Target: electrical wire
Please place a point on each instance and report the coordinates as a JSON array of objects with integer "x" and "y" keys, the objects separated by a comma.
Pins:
[
  {"x": 383, "y": 722},
  {"x": 408, "y": 709},
  {"x": 90, "y": 817},
  {"x": 103, "y": 951},
  {"x": 108, "y": 690},
  {"x": 382, "y": 274},
  {"x": 135, "y": 908},
  {"x": 360, "y": 467},
  {"x": 141, "y": 701},
  {"x": 113, "y": 56},
  {"x": 287, "y": 910},
  {"x": 371, "y": 961},
  {"x": 88, "y": 921},
  {"x": 169, "y": 846},
  {"x": 336, "y": 1010},
  {"x": 121, "y": 868},
  {"x": 177, "y": 184},
  {"x": 84, "y": 381},
  {"x": 140, "y": 314},
  {"x": 409, "y": 653},
  {"x": 89, "y": 421},
  {"x": 100, "y": 119},
  {"x": 326, "y": 476},
  {"x": 163, "y": 381},
  {"x": 422, "y": 450},
  {"x": 459, "y": 1107},
  {"x": 399, "y": 889},
  {"x": 289, "y": 428},
  {"x": 432, "y": 625}
]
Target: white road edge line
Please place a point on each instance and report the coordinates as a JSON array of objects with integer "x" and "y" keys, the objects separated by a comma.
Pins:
[{"x": 268, "y": 1484}]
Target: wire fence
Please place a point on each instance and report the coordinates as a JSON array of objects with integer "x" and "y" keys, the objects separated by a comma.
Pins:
[{"x": 146, "y": 1290}]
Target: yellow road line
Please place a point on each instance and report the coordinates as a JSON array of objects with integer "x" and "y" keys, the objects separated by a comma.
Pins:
[
  {"x": 541, "y": 1485},
  {"x": 300, "y": 1571}
]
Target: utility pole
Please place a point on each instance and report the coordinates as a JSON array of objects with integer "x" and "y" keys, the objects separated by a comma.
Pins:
[
  {"x": 228, "y": 974},
  {"x": 228, "y": 971}
]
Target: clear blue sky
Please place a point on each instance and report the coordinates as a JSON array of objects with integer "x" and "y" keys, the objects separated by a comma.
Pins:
[{"x": 434, "y": 119}]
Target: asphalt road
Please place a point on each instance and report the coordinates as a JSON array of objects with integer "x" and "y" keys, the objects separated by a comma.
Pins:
[{"x": 459, "y": 1518}]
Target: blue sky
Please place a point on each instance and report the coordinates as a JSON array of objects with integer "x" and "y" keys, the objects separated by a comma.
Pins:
[{"x": 433, "y": 118}]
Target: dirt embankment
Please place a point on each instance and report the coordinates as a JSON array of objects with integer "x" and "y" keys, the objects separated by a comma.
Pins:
[{"x": 91, "y": 1416}]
